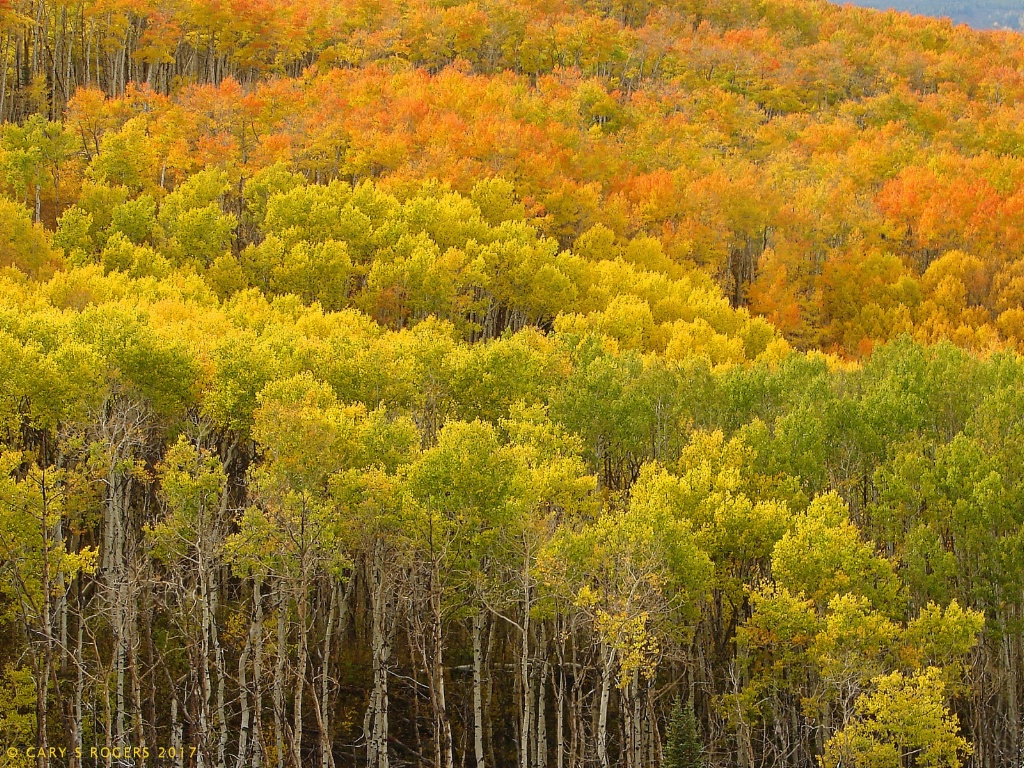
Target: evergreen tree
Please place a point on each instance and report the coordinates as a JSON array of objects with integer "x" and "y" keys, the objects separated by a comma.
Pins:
[{"x": 683, "y": 748}]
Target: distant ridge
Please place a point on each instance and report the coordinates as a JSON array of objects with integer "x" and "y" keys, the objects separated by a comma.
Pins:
[{"x": 997, "y": 14}]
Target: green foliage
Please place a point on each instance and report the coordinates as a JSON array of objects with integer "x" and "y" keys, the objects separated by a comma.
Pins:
[
  {"x": 442, "y": 356},
  {"x": 418, "y": 400},
  {"x": 23, "y": 244},
  {"x": 683, "y": 748},
  {"x": 17, "y": 713},
  {"x": 824, "y": 556},
  {"x": 905, "y": 718}
]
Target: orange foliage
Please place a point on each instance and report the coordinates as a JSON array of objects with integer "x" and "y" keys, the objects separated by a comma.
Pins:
[{"x": 849, "y": 174}]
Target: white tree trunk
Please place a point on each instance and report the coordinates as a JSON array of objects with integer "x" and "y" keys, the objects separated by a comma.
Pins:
[
  {"x": 323, "y": 714},
  {"x": 243, "y": 697},
  {"x": 381, "y": 634},
  {"x": 257, "y": 676},
  {"x": 608, "y": 661},
  {"x": 542, "y": 723},
  {"x": 524, "y": 669},
  {"x": 279, "y": 664},
  {"x": 478, "y": 691}
]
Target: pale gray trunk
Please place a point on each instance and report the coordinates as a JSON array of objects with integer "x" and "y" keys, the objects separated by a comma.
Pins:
[
  {"x": 524, "y": 670},
  {"x": 443, "y": 724},
  {"x": 121, "y": 429},
  {"x": 492, "y": 639},
  {"x": 243, "y": 696},
  {"x": 608, "y": 661},
  {"x": 558, "y": 684},
  {"x": 43, "y": 673},
  {"x": 108, "y": 726},
  {"x": 637, "y": 721},
  {"x": 116, "y": 590},
  {"x": 558, "y": 680},
  {"x": 282, "y": 650},
  {"x": 654, "y": 754},
  {"x": 257, "y": 675},
  {"x": 478, "y": 693},
  {"x": 206, "y": 651},
  {"x": 375, "y": 725},
  {"x": 177, "y": 733},
  {"x": 542, "y": 723},
  {"x": 133, "y": 669},
  {"x": 80, "y": 676},
  {"x": 323, "y": 714},
  {"x": 222, "y": 719},
  {"x": 300, "y": 687}
]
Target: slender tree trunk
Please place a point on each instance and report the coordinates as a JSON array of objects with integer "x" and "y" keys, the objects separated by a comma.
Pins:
[
  {"x": 323, "y": 708},
  {"x": 222, "y": 719},
  {"x": 381, "y": 634},
  {"x": 607, "y": 665},
  {"x": 524, "y": 669},
  {"x": 542, "y": 724},
  {"x": 43, "y": 675},
  {"x": 279, "y": 665},
  {"x": 478, "y": 690},
  {"x": 243, "y": 695},
  {"x": 3, "y": 79},
  {"x": 575, "y": 710},
  {"x": 638, "y": 730},
  {"x": 492, "y": 640},
  {"x": 206, "y": 652},
  {"x": 300, "y": 680},
  {"x": 558, "y": 681},
  {"x": 257, "y": 675},
  {"x": 177, "y": 734},
  {"x": 443, "y": 726},
  {"x": 136, "y": 681},
  {"x": 80, "y": 669}
]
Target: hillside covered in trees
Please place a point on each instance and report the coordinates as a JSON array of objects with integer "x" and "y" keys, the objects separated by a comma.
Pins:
[
  {"x": 547, "y": 384},
  {"x": 980, "y": 14}
]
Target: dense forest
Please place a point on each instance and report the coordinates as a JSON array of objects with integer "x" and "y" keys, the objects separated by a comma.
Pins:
[{"x": 535, "y": 383}]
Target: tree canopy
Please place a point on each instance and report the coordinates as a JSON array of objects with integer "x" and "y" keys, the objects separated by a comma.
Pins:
[{"x": 465, "y": 383}]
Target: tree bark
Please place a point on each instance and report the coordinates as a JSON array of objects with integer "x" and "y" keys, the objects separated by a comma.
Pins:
[
  {"x": 478, "y": 692},
  {"x": 607, "y": 669}
]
